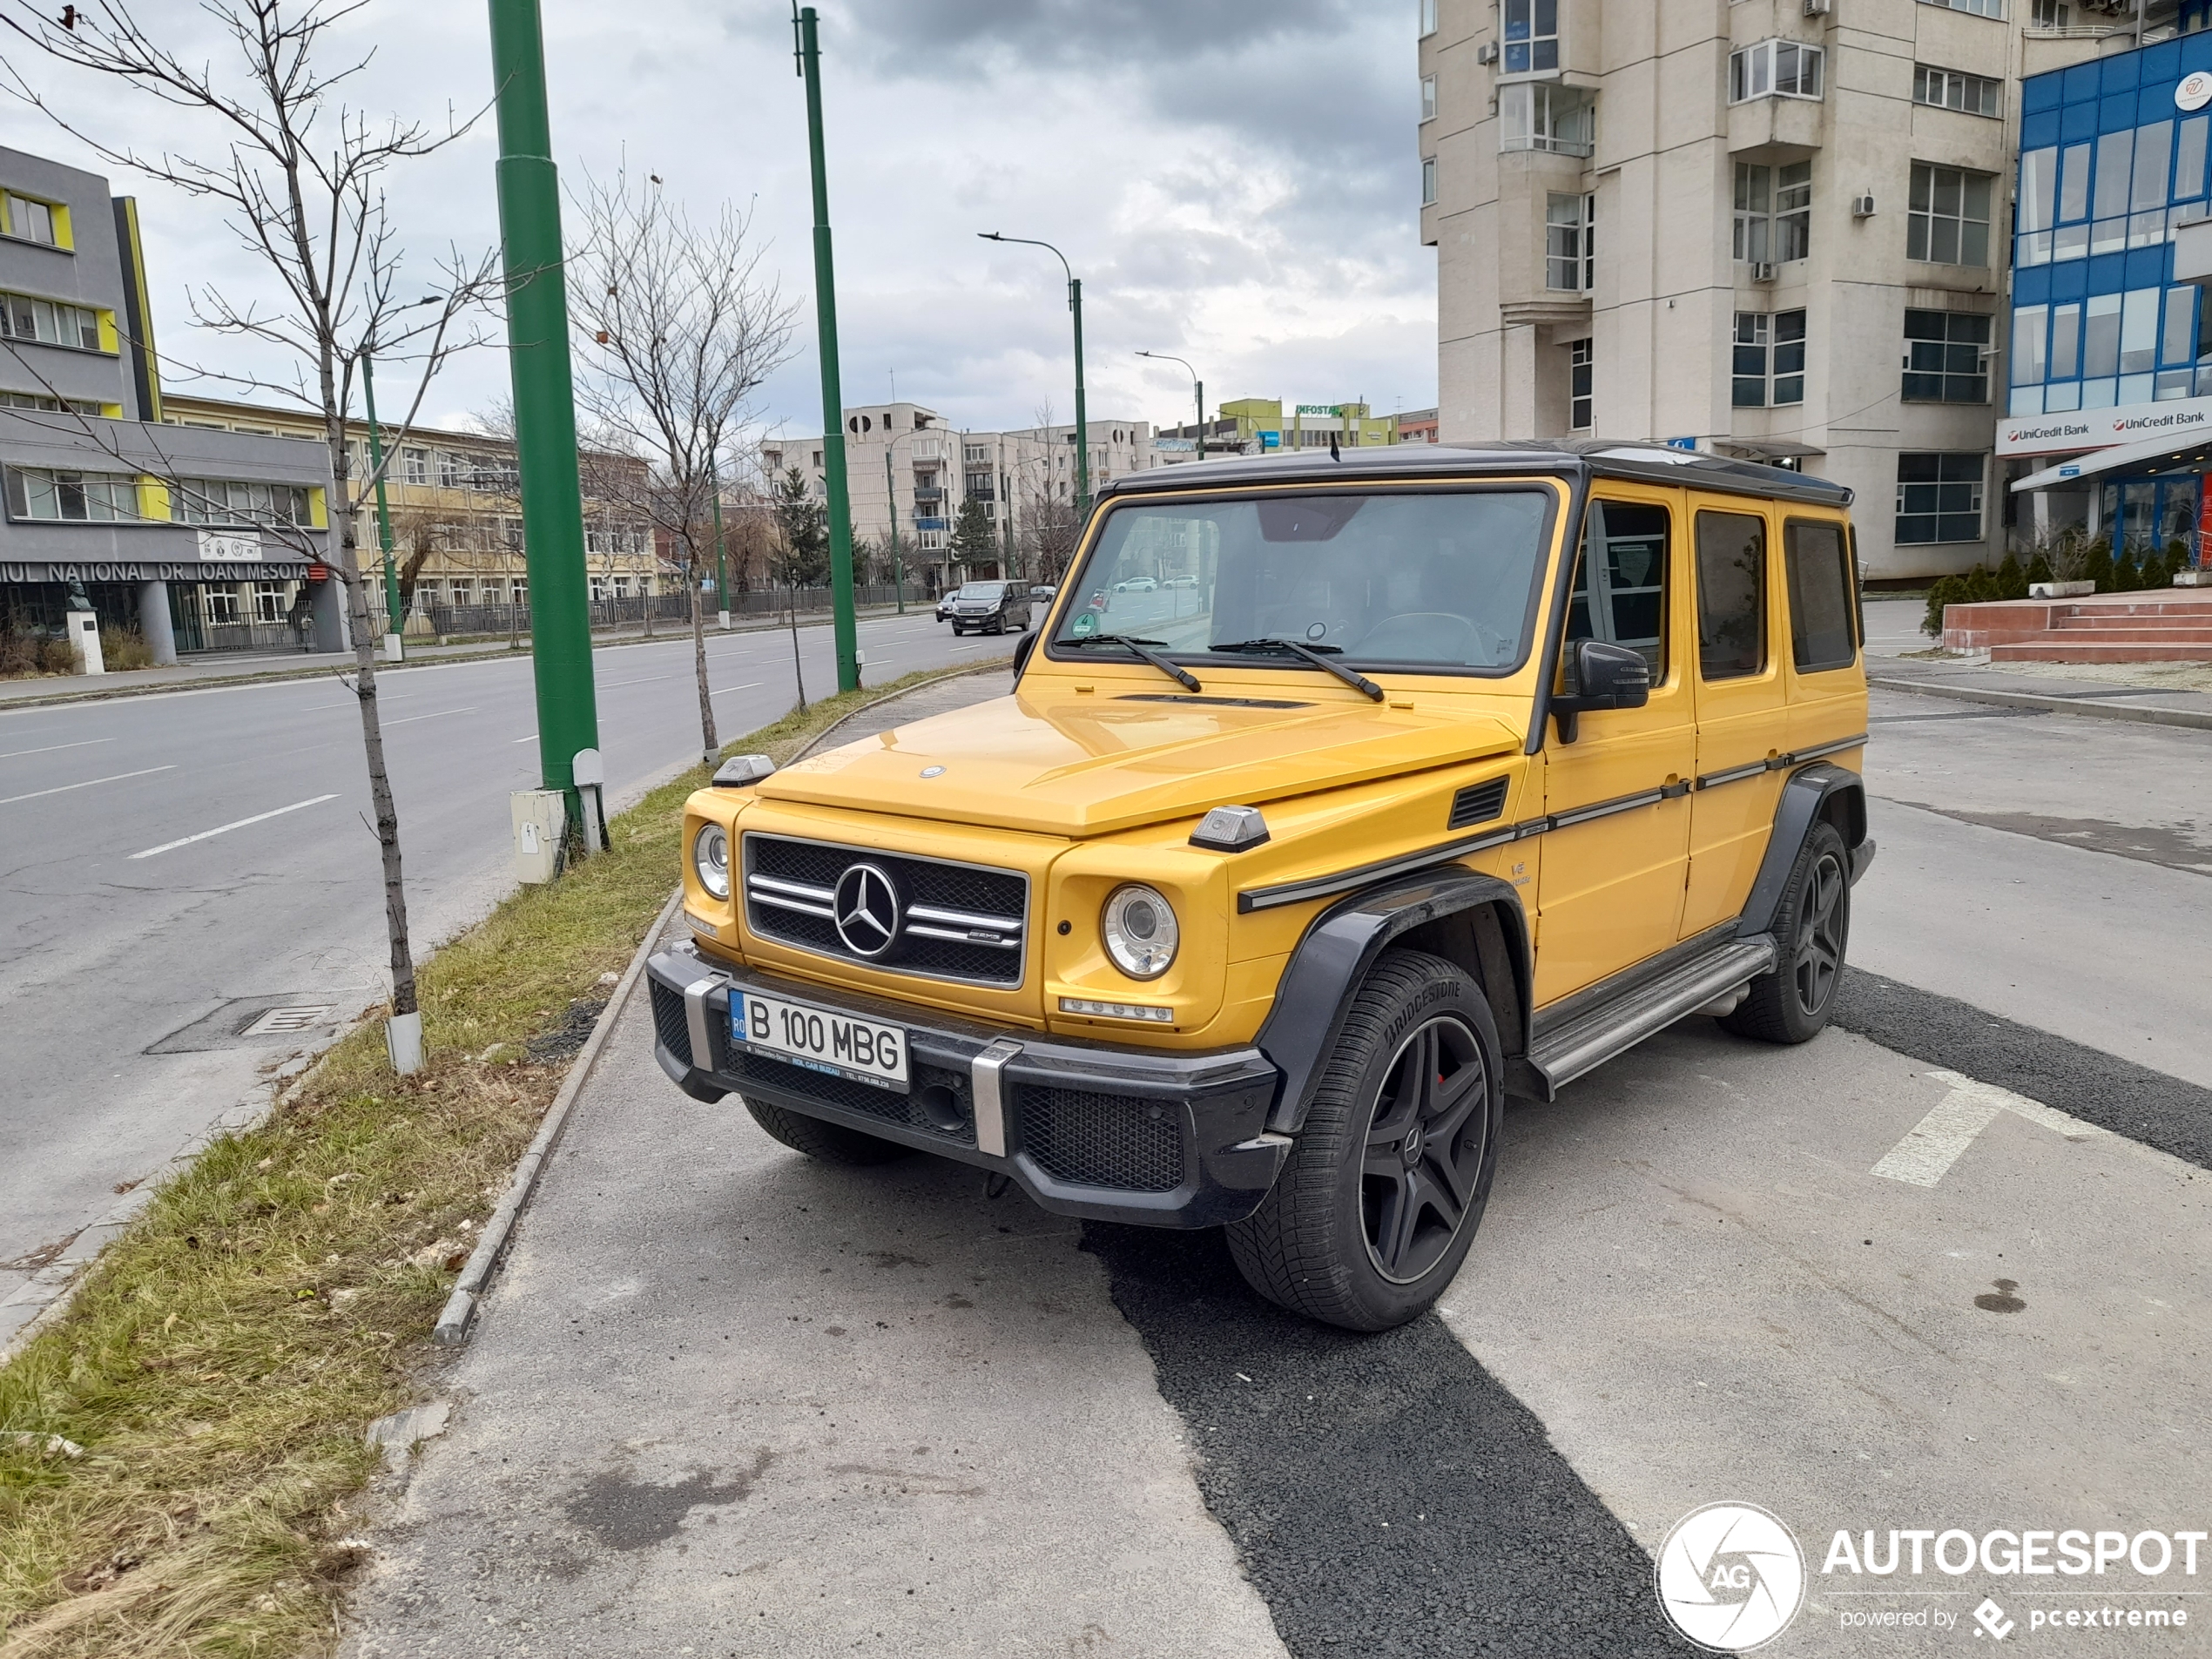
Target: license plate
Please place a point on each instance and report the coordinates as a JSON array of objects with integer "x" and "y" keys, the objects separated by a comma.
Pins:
[{"x": 864, "y": 1050}]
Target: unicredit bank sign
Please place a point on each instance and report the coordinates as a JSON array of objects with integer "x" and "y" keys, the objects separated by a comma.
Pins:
[{"x": 2080, "y": 429}]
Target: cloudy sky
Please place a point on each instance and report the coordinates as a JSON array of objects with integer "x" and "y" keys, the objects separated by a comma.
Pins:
[{"x": 1234, "y": 182}]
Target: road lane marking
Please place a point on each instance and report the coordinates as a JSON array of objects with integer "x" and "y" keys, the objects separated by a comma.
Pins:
[
  {"x": 754, "y": 686},
  {"x": 64, "y": 789},
  {"x": 51, "y": 747},
  {"x": 1937, "y": 1141},
  {"x": 225, "y": 829},
  {"x": 650, "y": 679},
  {"x": 440, "y": 714},
  {"x": 528, "y": 737}
]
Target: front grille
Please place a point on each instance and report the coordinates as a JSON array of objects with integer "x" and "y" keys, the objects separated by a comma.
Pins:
[
  {"x": 953, "y": 1119},
  {"x": 1477, "y": 803},
  {"x": 953, "y": 921},
  {"x": 1089, "y": 1140},
  {"x": 672, "y": 1023}
]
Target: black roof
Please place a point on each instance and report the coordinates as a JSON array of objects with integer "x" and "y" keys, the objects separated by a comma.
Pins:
[{"x": 1642, "y": 461}]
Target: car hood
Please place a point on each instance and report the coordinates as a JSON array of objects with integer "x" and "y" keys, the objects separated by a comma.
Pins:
[{"x": 1079, "y": 765}]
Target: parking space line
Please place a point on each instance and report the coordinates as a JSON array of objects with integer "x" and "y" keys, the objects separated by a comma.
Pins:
[
  {"x": 225, "y": 829},
  {"x": 51, "y": 747},
  {"x": 1933, "y": 1145},
  {"x": 65, "y": 788}
]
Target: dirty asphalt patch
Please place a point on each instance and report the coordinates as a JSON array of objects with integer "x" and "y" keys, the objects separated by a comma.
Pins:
[
  {"x": 1385, "y": 1494},
  {"x": 2158, "y": 1111}
]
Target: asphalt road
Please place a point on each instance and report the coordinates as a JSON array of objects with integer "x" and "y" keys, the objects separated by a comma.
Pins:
[
  {"x": 163, "y": 856},
  {"x": 1944, "y": 1268}
]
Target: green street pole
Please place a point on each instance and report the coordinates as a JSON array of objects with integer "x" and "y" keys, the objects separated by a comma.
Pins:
[
  {"x": 891, "y": 512},
  {"x": 721, "y": 560},
  {"x": 394, "y": 627},
  {"x": 538, "y": 342},
  {"x": 807, "y": 49},
  {"x": 1083, "y": 425}
]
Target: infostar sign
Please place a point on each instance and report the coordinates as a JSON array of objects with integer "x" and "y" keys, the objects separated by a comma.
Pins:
[{"x": 2080, "y": 429}]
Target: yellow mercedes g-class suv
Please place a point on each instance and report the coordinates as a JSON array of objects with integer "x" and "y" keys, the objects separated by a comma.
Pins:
[{"x": 1334, "y": 800}]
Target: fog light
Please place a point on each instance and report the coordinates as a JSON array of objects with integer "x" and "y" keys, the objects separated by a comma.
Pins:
[{"x": 1116, "y": 1010}]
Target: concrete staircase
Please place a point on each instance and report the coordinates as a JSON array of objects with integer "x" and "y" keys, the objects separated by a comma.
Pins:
[{"x": 2171, "y": 625}]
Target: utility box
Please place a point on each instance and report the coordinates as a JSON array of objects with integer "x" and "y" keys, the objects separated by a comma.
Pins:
[{"x": 541, "y": 821}]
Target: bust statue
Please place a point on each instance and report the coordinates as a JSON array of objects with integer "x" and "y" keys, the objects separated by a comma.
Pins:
[{"x": 77, "y": 598}]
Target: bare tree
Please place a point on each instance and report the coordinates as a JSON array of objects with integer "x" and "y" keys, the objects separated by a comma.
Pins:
[
  {"x": 300, "y": 176},
  {"x": 677, "y": 329}
]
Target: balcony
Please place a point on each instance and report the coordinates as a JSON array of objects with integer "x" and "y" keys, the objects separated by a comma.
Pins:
[
  {"x": 928, "y": 492},
  {"x": 921, "y": 523}
]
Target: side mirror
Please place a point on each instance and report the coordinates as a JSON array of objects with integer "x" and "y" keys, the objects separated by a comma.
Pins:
[
  {"x": 1023, "y": 649},
  {"x": 1606, "y": 677}
]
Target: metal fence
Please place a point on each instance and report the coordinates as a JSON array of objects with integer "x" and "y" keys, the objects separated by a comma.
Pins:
[
  {"x": 668, "y": 609},
  {"x": 242, "y": 636}
]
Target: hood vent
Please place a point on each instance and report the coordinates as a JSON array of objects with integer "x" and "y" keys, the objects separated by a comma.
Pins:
[{"x": 1477, "y": 803}]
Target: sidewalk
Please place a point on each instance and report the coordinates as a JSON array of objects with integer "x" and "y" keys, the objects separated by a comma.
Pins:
[
  {"x": 253, "y": 668},
  {"x": 787, "y": 1408}
]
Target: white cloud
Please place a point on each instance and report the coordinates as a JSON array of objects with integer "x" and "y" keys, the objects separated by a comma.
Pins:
[{"x": 1236, "y": 184}]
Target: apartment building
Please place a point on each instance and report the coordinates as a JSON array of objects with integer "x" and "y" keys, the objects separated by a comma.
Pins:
[
  {"x": 176, "y": 534},
  {"x": 907, "y": 470},
  {"x": 455, "y": 507},
  {"x": 1267, "y": 425},
  {"x": 1773, "y": 229}
]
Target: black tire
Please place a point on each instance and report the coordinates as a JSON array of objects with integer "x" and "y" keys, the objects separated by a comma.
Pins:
[
  {"x": 1369, "y": 1220},
  {"x": 824, "y": 1142},
  {"x": 1813, "y": 928},
  {"x": 958, "y": 631}
]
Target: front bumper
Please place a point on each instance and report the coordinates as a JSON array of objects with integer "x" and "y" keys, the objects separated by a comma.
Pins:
[{"x": 1086, "y": 1128}]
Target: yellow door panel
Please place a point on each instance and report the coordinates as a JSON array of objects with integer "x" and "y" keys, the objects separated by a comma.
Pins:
[
  {"x": 1741, "y": 703},
  {"x": 1609, "y": 888}
]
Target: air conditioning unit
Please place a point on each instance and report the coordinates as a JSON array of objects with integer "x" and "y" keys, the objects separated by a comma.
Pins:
[
  {"x": 1763, "y": 271},
  {"x": 1862, "y": 207},
  {"x": 1817, "y": 8},
  {"x": 1486, "y": 52}
]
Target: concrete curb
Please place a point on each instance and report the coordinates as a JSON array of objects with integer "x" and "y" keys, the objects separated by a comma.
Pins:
[
  {"x": 2199, "y": 720},
  {"x": 460, "y": 1306},
  {"x": 454, "y": 1320}
]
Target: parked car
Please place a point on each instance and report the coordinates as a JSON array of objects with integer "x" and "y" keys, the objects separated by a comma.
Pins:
[
  {"x": 1044, "y": 593},
  {"x": 1137, "y": 584},
  {"x": 1180, "y": 582},
  {"x": 990, "y": 608},
  {"x": 1230, "y": 921}
]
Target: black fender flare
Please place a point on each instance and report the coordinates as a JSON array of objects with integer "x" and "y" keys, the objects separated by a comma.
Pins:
[
  {"x": 1313, "y": 997},
  {"x": 1805, "y": 800}
]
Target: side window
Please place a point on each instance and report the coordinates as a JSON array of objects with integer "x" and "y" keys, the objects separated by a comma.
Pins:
[
  {"x": 1819, "y": 569},
  {"x": 1731, "y": 595},
  {"x": 1621, "y": 580}
]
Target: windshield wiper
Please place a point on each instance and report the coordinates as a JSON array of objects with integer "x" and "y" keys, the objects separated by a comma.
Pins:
[
  {"x": 1136, "y": 647},
  {"x": 1351, "y": 676}
]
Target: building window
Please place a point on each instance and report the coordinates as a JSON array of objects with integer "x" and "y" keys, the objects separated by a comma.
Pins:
[
  {"x": 1947, "y": 88},
  {"x": 1980, "y": 8},
  {"x": 218, "y": 500},
  {"x": 1428, "y": 17},
  {"x": 1570, "y": 243},
  {"x": 2051, "y": 14},
  {"x": 1946, "y": 357},
  {"x": 71, "y": 497},
  {"x": 453, "y": 471},
  {"x": 415, "y": 467},
  {"x": 1775, "y": 68},
  {"x": 32, "y": 221},
  {"x": 976, "y": 454},
  {"x": 270, "y": 602},
  {"x": 1768, "y": 366},
  {"x": 1543, "y": 115},
  {"x": 1948, "y": 220},
  {"x": 1428, "y": 181},
  {"x": 1938, "y": 498},
  {"x": 221, "y": 605},
  {"x": 48, "y": 405},
  {"x": 1581, "y": 369},
  {"x": 1532, "y": 36},
  {"x": 1773, "y": 211},
  {"x": 25, "y": 317},
  {"x": 1428, "y": 98}
]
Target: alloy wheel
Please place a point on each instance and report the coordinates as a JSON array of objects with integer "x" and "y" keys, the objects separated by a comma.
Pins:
[
  {"x": 1820, "y": 934},
  {"x": 1425, "y": 1147}
]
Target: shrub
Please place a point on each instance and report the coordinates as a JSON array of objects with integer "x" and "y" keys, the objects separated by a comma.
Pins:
[
  {"x": 1981, "y": 586},
  {"x": 2012, "y": 581},
  {"x": 125, "y": 647},
  {"x": 18, "y": 652},
  {"x": 2127, "y": 573},
  {"x": 2097, "y": 566},
  {"x": 57, "y": 655},
  {"x": 2038, "y": 570},
  {"x": 1944, "y": 590}
]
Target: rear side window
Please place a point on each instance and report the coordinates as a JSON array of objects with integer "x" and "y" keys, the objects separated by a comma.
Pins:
[
  {"x": 1731, "y": 595},
  {"x": 1819, "y": 569},
  {"x": 1621, "y": 580}
]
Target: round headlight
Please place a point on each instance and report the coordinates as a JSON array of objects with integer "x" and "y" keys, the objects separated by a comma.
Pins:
[
  {"x": 710, "y": 857},
  {"x": 1141, "y": 933}
]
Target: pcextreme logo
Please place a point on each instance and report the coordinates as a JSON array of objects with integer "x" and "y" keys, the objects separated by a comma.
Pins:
[{"x": 1731, "y": 1577}]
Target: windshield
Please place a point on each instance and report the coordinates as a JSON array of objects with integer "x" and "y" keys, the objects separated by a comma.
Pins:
[
  {"x": 982, "y": 590},
  {"x": 1431, "y": 581}
]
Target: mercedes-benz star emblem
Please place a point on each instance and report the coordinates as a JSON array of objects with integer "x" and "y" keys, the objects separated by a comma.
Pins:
[{"x": 866, "y": 910}]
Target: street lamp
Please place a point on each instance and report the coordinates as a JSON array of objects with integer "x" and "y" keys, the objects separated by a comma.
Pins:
[
  {"x": 1082, "y": 429},
  {"x": 1198, "y": 388}
]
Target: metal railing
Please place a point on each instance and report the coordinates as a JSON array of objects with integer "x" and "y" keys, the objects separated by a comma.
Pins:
[{"x": 669, "y": 610}]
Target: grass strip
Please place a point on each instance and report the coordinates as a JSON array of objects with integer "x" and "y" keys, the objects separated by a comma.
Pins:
[{"x": 179, "y": 1452}]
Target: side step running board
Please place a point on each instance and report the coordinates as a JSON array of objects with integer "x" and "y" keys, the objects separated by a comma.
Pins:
[{"x": 1589, "y": 1040}]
